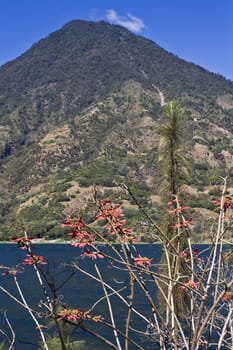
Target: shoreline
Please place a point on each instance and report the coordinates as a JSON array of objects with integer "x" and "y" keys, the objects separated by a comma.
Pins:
[{"x": 59, "y": 241}]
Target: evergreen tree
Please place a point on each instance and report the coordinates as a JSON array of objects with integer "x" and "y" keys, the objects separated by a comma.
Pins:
[
  {"x": 174, "y": 169},
  {"x": 172, "y": 163}
]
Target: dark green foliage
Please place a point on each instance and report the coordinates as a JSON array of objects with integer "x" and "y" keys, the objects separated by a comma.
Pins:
[
  {"x": 101, "y": 172},
  {"x": 40, "y": 221},
  {"x": 204, "y": 175},
  {"x": 55, "y": 344},
  {"x": 200, "y": 201}
]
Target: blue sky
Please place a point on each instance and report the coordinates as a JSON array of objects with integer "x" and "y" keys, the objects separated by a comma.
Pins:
[{"x": 199, "y": 31}]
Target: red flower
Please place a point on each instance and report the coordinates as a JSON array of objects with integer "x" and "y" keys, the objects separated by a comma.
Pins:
[
  {"x": 34, "y": 260},
  {"x": 92, "y": 255},
  {"x": 229, "y": 217},
  {"x": 129, "y": 238},
  {"x": 23, "y": 242},
  {"x": 185, "y": 254},
  {"x": 114, "y": 220},
  {"x": 83, "y": 239},
  {"x": 177, "y": 210},
  {"x": 144, "y": 261},
  {"x": 78, "y": 315},
  {"x": 75, "y": 223},
  {"x": 227, "y": 296},
  {"x": 171, "y": 202},
  {"x": 227, "y": 203},
  {"x": 228, "y": 255},
  {"x": 74, "y": 315},
  {"x": 115, "y": 226},
  {"x": 108, "y": 211},
  {"x": 183, "y": 223},
  {"x": 189, "y": 285}
]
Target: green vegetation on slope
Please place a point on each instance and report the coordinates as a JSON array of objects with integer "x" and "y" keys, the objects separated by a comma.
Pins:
[{"x": 86, "y": 102}]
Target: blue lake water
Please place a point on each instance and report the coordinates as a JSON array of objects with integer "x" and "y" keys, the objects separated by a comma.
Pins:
[{"x": 79, "y": 292}]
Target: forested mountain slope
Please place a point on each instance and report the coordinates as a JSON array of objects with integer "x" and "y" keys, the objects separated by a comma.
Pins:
[{"x": 82, "y": 107}]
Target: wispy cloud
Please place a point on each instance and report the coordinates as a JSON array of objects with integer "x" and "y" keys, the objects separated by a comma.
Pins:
[{"x": 130, "y": 22}]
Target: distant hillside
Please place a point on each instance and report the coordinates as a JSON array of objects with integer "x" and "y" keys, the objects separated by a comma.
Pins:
[{"x": 82, "y": 107}]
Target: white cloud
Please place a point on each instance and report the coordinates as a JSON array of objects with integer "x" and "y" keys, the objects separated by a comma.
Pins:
[{"x": 130, "y": 22}]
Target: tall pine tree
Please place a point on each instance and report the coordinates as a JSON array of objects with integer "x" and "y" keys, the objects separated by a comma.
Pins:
[{"x": 174, "y": 170}]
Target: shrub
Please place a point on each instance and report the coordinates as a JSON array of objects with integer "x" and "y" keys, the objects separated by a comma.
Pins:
[{"x": 192, "y": 309}]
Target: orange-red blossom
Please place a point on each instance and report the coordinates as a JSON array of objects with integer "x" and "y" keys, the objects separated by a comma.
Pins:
[
  {"x": 77, "y": 315},
  {"x": 190, "y": 285},
  {"x": 142, "y": 261}
]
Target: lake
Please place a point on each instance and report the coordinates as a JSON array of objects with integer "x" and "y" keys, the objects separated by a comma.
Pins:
[{"x": 80, "y": 292}]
